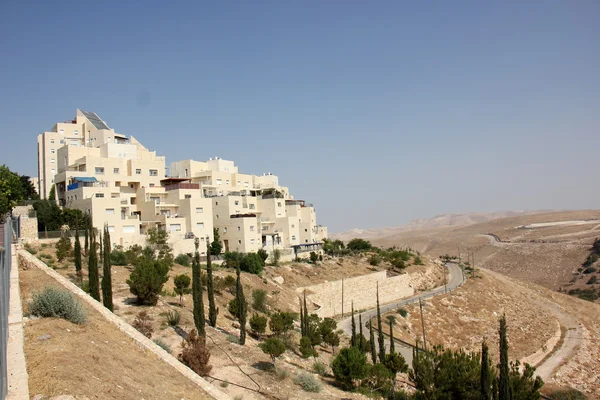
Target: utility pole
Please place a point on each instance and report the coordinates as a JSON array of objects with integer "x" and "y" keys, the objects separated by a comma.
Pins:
[
  {"x": 423, "y": 325},
  {"x": 342, "y": 297}
]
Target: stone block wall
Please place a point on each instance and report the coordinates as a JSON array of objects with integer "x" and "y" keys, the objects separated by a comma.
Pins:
[
  {"x": 362, "y": 290},
  {"x": 29, "y": 229}
]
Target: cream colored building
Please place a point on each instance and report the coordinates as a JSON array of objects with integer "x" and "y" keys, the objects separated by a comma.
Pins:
[{"x": 123, "y": 184}]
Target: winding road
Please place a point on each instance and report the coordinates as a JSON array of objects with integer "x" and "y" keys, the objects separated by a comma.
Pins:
[{"x": 455, "y": 280}]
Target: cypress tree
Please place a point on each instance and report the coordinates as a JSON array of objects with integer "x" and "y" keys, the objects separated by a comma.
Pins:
[
  {"x": 380, "y": 338},
  {"x": 197, "y": 299},
  {"x": 242, "y": 310},
  {"x": 302, "y": 331},
  {"x": 392, "y": 345},
  {"x": 372, "y": 342},
  {"x": 93, "y": 283},
  {"x": 361, "y": 341},
  {"x": 503, "y": 379},
  {"x": 100, "y": 247},
  {"x": 87, "y": 243},
  {"x": 213, "y": 311},
  {"x": 485, "y": 373},
  {"x": 306, "y": 319},
  {"x": 353, "y": 338},
  {"x": 77, "y": 253},
  {"x": 106, "y": 273}
]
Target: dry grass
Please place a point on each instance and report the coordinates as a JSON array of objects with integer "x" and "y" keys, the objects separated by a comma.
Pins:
[{"x": 95, "y": 360}]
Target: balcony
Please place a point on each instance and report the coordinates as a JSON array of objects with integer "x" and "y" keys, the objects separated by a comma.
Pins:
[{"x": 178, "y": 186}]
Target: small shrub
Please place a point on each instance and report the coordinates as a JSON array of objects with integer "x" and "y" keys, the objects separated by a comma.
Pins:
[
  {"x": 418, "y": 260},
  {"x": 258, "y": 324},
  {"x": 568, "y": 394},
  {"x": 143, "y": 323},
  {"x": 308, "y": 382},
  {"x": 262, "y": 253},
  {"x": 259, "y": 300},
  {"x": 224, "y": 384},
  {"x": 403, "y": 312},
  {"x": 118, "y": 257},
  {"x": 274, "y": 347},
  {"x": 173, "y": 317},
  {"x": 281, "y": 374},
  {"x": 44, "y": 245},
  {"x": 64, "y": 248},
  {"x": 589, "y": 270},
  {"x": 162, "y": 344},
  {"x": 53, "y": 302},
  {"x": 147, "y": 280},
  {"x": 374, "y": 260},
  {"x": 593, "y": 279},
  {"x": 314, "y": 257},
  {"x": 252, "y": 263},
  {"x": 276, "y": 256},
  {"x": 224, "y": 284},
  {"x": 195, "y": 354},
  {"x": 320, "y": 368},
  {"x": 30, "y": 249},
  {"x": 182, "y": 286},
  {"x": 85, "y": 286},
  {"x": 183, "y": 260},
  {"x": 306, "y": 348},
  {"x": 233, "y": 307}
]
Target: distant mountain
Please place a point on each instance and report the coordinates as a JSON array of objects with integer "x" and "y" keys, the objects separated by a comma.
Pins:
[{"x": 439, "y": 221}]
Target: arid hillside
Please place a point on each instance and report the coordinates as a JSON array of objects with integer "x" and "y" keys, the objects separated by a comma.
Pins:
[
  {"x": 546, "y": 248},
  {"x": 552, "y": 331}
]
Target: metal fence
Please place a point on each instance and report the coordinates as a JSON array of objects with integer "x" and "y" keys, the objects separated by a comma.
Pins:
[{"x": 10, "y": 235}]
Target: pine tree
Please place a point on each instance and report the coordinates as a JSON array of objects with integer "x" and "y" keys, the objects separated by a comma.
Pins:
[
  {"x": 77, "y": 252},
  {"x": 213, "y": 311},
  {"x": 106, "y": 273},
  {"x": 197, "y": 299},
  {"x": 372, "y": 343},
  {"x": 242, "y": 310},
  {"x": 87, "y": 243},
  {"x": 380, "y": 338},
  {"x": 503, "y": 379},
  {"x": 93, "y": 283},
  {"x": 353, "y": 337},
  {"x": 485, "y": 373}
]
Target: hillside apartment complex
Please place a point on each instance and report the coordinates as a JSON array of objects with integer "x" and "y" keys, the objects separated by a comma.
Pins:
[{"x": 123, "y": 184}]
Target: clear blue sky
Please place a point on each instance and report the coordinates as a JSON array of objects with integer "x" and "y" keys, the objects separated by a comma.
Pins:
[{"x": 378, "y": 112}]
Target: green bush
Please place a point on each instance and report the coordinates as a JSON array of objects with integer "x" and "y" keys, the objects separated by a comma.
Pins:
[
  {"x": 259, "y": 300},
  {"x": 308, "y": 382},
  {"x": 568, "y": 394},
  {"x": 147, "y": 280},
  {"x": 53, "y": 302},
  {"x": 64, "y": 248},
  {"x": 589, "y": 270},
  {"x": 359, "y": 245},
  {"x": 118, "y": 257},
  {"x": 374, "y": 260},
  {"x": 314, "y": 257},
  {"x": 252, "y": 263},
  {"x": 274, "y": 347},
  {"x": 233, "y": 307},
  {"x": 418, "y": 260},
  {"x": 403, "y": 312},
  {"x": 306, "y": 348},
  {"x": 281, "y": 322},
  {"x": 281, "y": 374},
  {"x": 348, "y": 366},
  {"x": 258, "y": 324},
  {"x": 183, "y": 260},
  {"x": 162, "y": 344},
  {"x": 221, "y": 284},
  {"x": 593, "y": 279},
  {"x": 30, "y": 249},
  {"x": 173, "y": 317},
  {"x": 262, "y": 253}
]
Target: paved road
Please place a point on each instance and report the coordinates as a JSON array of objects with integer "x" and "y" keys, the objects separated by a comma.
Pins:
[{"x": 455, "y": 279}]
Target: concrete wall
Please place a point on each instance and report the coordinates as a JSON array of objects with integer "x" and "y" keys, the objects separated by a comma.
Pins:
[{"x": 362, "y": 290}]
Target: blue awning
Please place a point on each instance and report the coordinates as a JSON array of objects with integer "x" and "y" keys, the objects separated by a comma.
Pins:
[{"x": 85, "y": 179}]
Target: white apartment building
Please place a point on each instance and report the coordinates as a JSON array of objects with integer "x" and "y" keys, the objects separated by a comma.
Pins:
[{"x": 122, "y": 184}]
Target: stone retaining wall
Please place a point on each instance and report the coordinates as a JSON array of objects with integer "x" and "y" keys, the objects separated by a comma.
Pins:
[
  {"x": 362, "y": 290},
  {"x": 141, "y": 340}
]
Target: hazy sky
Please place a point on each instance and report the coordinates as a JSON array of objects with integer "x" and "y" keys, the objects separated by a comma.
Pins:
[{"x": 378, "y": 112}]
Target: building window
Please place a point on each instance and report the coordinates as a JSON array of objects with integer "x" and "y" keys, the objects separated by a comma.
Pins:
[
  {"x": 62, "y": 141},
  {"x": 224, "y": 230},
  {"x": 278, "y": 204},
  {"x": 100, "y": 195},
  {"x": 153, "y": 172},
  {"x": 227, "y": 182},
  {"x": 52, "y": 161},
  {"x": 186, "y": 173},
  {"x": 115, "y": 170},
  {"x": 237, "y": 202},
  {"x": 114, "y": 195},
  {"x": 219, "y": 181},
  {"x": 128, "y": 228},
  {"x": 111, "y": 229},
  {"x": 239, "y": 183},
  {"x": 76, "y": 132},
  {"x": 188, "y": 196},
  {"x": 138, "y": 171},
  {"x": 110, "y": 211},
  {"x": 52, "y": 151},
  {"x": 175, "y": 227},
  {"x": 239, "y": 242},
  {"x": 251, "y": 228},
  {"x": 293, "y": 238},
  {"x": 251, "y": 241},
  {"x": 199, "y": 210},
  {"x": 239, "y": 228},
  {"x": 53, "y": 171},
  {"x": 293, "y": 226},
  {"x": 99, "y": 170},
  {"x": 265, "y": 227},
  {"x": 252, "y": 206},
  {"x": 152, "y": 185},
  {"x": 246, "y": 184},
  {"x": 61, "y": 131},
  {"x": 305, "y": 230},
  {"x": 217, "y": 215},
  {"x": 200, "y": 225},
  {"x": 51, "y": 141}
]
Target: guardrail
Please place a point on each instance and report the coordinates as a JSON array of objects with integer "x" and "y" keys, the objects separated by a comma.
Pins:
[{"x": 5, "y": 266}]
